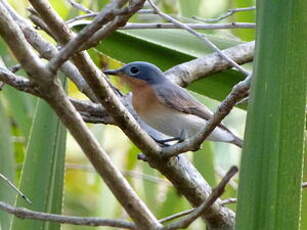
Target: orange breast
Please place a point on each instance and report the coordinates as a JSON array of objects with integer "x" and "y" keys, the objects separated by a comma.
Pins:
[{"x": 144, "y": 100}]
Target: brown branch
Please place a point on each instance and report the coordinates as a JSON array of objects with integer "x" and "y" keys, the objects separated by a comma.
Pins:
[
  {"x": 119, "y": 21},
  {"x": 216, "y": 193},
  {"x": 97, "y": 82},
  {"x": 75, "y": 220},
  {"x": 107, "y": 14},
  {"x": 79, "y": 6},
  {"x": 187, "y": 72},
  {"x": 18, "y": 82},
  {"x": 47, "y": 51},
  {"x": 72, "y": 120}
]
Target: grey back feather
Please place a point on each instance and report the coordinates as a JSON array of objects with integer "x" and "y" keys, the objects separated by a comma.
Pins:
[{"x": 179, "y": 99}]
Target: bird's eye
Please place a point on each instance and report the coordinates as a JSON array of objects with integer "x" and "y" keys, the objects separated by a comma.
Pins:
[{"x": 134, "y": 70}]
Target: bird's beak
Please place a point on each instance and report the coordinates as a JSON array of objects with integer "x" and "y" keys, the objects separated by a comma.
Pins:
[{"x": 112, "y": 71}]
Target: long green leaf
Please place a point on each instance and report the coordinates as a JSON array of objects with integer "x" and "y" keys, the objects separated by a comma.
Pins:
[
  {"x": 21, "y": 107},
  {"x": 43, "y": 171},
  {"x": 271, "y": 169},
  {"x": 6, "y": 165},
  {"x": 167, "y": 48},
  {"x": 304, "y": 200}
]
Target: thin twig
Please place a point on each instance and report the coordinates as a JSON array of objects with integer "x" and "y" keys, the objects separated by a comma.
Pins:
[
  {"x": 109, "y": 13},
  {"x": 146, "y": 11},
  {"x": 119, "y": 21},
  {"x": 48, "y": 50},
  {"x": 79, "y": 17},
  {"x": 15, "y": 188},
  {"x": 233, "y": 25},
  {"x": 228, "y": 201},
  {"x": 186, "y": 212},
  {"x": 80, "y": 7},
  {"x": 234, "y": 200},
  {"x": 202, "y": 37},
  {"x": 227, "y": 14},
  {"x": 176, "y": 215},
  {"x": 216, "y": 193},
  {"x": 75, "y": 220},
  {"x": 135, "y": 26}
]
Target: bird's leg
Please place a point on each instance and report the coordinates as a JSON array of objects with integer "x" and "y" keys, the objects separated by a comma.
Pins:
[
  {"x": 165, "y": 141},
  {"x": 182, "y": 136}
]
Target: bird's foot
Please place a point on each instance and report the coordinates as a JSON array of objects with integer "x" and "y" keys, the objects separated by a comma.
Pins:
[{"x": 165, "y": 143}]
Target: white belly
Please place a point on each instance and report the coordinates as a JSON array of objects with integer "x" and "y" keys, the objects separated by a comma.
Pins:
[{"x": 176, "y": 124}]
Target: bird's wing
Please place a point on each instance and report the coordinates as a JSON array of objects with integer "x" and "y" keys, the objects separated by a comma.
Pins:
[{"x": 179, "y": 99}]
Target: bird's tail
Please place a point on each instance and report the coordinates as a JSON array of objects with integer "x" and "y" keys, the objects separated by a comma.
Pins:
[{"x": 237, "y": 141}]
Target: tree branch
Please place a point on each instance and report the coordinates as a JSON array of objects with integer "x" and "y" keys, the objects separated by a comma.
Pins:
[
  {"x": 79, "y": 6},
  {"x": 47, "y": 51},
  {"x": 119, "y": 21},
  {"x": 106, "y": 15},
  {"x": 216, "y": 193},
  {"x": 196, "y": 26},
  {"x": 187, "y": 72},
  {"x": 87, "y": 221},
  {"x": 227, "y": 14},
  {"x": 58, "y": 100}
]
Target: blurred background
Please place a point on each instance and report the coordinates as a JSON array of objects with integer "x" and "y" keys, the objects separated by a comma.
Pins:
[{"x": 85, "y": 194}]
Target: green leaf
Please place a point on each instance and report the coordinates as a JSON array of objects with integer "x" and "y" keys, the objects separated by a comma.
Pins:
[
  {"x": 43, "y": 170},
  {"x": 304, "y": 200},
  {"x": 150, "y": 188},
  {"x": 6, "y": 165},
  {"x": 189, "y": 8},
  {"x": 21, "y": 107},
  {"x": 166, "y": 48},
  {"x": 173, "y": 203},
  {"x": 272, "y": 158},
  {"x": 246, "y": 16},
  {"x": 203, "y": 160}
]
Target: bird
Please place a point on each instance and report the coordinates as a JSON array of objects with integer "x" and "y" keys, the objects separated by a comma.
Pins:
[{"x": 167, "y": 107}]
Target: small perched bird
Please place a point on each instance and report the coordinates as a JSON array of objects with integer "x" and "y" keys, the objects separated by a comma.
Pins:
[{"x": 166, "y": 106}]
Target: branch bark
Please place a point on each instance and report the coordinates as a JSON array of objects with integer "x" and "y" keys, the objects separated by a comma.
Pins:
[
  {"x": 87, "y": 221},
  {"x": 70, "y": 117}
]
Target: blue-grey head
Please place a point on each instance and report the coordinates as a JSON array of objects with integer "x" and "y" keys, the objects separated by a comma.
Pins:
[{"x": 145, "y": 71}]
